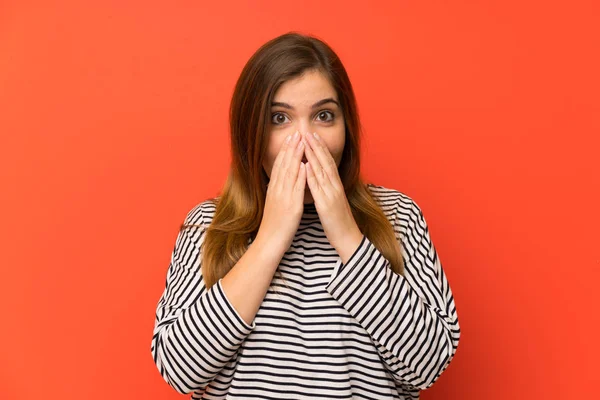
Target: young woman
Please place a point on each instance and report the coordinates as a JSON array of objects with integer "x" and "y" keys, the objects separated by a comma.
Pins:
[{"x": 299, "y": 280}]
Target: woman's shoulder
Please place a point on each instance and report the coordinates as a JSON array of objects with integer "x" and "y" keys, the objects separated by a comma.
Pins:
[
  {"x": 402, "y": 210},
  {"x": 202, "y": 212},
  {"x": 388, "y": 197}
]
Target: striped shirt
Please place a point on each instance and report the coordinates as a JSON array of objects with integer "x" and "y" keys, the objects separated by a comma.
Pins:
[{"x": 330, "y": 331}]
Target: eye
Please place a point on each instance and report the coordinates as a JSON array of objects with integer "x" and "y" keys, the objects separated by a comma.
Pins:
[
  {"x": 279, "y": 118},
  {"x": 325, "y": 113},
  {"x": 276, "y": 120}
]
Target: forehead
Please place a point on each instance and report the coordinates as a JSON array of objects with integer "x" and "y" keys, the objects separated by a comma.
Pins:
[{"x": 305, "y": 89}]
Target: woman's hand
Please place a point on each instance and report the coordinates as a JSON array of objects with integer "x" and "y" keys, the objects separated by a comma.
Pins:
[
  {"x": 285, "y": 196},
  {"x": 330, "y": 199}
]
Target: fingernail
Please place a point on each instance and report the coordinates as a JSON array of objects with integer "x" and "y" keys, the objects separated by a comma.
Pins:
[
  {"x": 316, "y": 135},
  {"x": 296, "y": 134},
  {"x": 287, "y": 139}
]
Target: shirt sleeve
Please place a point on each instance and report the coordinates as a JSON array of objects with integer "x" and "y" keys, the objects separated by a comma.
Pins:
[
  {"x": 196, "y": 331},
  {"x": 411, "y": 318}
]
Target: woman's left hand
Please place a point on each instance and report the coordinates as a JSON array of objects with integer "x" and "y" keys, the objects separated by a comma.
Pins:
[{"x": 330, "y": 199}]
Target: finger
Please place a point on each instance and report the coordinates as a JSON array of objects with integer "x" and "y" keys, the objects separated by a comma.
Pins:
[
  {"x": 292, "y": 161},
  {"x": 316, "y": 164},
  {"x": 313, "y": 182},
  {"x": 277, "y": 164},
  {"x": 326, "y": 161},
  {"x": 301, "y": 181},
  {"x": 321, "y": 151}
]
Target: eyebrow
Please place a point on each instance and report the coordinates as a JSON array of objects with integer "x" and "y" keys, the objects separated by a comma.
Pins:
[{"x": 317, "y": 104}]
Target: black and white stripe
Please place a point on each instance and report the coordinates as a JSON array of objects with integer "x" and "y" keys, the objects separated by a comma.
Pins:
[{"x": 354, "y": 330}]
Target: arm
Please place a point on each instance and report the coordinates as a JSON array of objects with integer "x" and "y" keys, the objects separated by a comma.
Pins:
[
  {"x": 412, "y": 319},
  {"x": 198, "y": 331}
]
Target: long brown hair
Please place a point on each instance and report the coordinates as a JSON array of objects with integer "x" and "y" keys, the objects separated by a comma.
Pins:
[{"x": 239, "y": 208}]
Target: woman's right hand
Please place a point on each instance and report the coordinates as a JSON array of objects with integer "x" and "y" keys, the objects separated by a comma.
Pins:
[{"x": 284, "y": 203}]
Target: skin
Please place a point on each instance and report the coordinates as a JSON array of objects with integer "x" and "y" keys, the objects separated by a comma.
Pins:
[{"x": 327, "y": 119}]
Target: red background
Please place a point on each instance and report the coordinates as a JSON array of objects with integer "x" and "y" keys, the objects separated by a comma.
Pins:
[{"x": 113, "y": 123}]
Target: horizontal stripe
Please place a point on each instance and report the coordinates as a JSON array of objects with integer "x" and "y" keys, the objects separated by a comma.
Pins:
[{"x": 331, "y": 330}]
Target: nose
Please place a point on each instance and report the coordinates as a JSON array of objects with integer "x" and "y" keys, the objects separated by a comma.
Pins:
[
  {"x": 305, "y": 132},
  {"x": 303, "y": 126}
]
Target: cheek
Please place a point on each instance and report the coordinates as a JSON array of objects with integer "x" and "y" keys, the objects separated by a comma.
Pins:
[
  {"x": 272, "y": 151},
  {"x": 337, "y": 155},
  {"x": 336, "y": 148}
]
